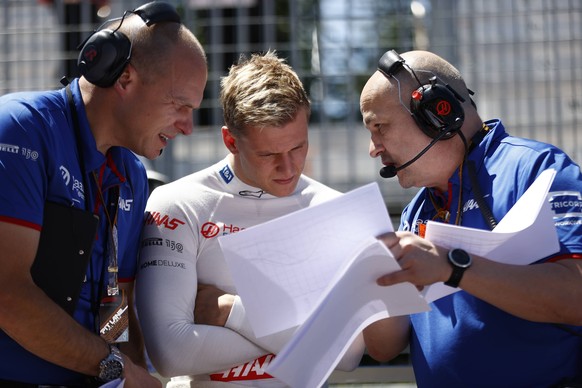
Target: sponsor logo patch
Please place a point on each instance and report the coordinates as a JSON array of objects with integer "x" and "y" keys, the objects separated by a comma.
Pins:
[
  {"x": 252, "y": 370},
  {"x": 566, "y": 203},
  {"x": 163, "y": 263},
  {"x": 210, "y": 229},
  {"x": 226, "y": 174},
  {"x": 10, "y": 148},
  {"x": 162, "y": 220}
]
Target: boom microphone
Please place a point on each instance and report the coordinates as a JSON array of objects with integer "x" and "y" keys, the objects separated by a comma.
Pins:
[{"x": 390, "y": 171}]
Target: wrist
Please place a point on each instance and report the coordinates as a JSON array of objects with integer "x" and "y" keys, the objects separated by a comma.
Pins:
[
  {"x": 460, "y": 261},
  {"x": 112, "y": 366}
]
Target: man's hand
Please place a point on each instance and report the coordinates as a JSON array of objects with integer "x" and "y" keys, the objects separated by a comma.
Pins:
[
  {"x": 422, "y": 262},
  {"x": 212, "y": 306},
  {"x": 138, "y": 377}
]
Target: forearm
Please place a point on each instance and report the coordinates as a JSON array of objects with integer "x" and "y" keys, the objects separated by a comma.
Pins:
[
  {"x": 175, "y": 343},
  {"x": 548, "y": 292},
  {"x": 34, "y": 321},
  {"x": 189, "y": 349}
]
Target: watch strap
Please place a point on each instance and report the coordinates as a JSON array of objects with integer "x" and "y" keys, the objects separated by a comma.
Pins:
[
  {"x": 456, "y": 277},
  {"x": 459, "y": 266},
  {"x": 111, "y": 367}
]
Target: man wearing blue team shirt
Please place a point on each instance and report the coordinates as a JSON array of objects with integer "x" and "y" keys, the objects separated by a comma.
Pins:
[
  {"x": 142, "y": 75},
  {"x": 509, "y": 325}
]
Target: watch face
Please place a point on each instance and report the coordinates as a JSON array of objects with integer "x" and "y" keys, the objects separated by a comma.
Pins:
[
  {"x": 111, "y": 370},
  {"x": 460, "y": 258},
  {"x": 112, "y": 366}
]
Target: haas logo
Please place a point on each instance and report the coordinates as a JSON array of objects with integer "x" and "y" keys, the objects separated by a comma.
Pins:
[
  {"x": 443, "y": 108},
  {"x": 162, "y": 220},
  {"x": 90, "y": 54}
]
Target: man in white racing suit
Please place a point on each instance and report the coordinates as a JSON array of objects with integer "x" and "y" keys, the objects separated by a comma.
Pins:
[{"x": 194, "y": 323}]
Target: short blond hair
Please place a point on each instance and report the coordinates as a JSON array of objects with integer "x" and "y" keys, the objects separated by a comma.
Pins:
[{"x": 261, "y": 91}]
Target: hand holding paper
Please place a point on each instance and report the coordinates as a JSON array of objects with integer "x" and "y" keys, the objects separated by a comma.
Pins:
[
  {"x": 528, "y": 228},
  {"x": 352, "y": 302},
  {"x": 321, "y": 274}
]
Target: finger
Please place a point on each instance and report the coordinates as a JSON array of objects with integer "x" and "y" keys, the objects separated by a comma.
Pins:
[
  {"x": 390, "y": 279},
  {"x": 389, "y": 239}
]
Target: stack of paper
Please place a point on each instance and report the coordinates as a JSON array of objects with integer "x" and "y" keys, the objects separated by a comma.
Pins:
[{"x": 320, "y": 273}]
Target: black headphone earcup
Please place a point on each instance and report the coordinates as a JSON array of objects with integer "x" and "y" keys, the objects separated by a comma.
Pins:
[
  {"x": 103, "y": 57},
  {"x": 436, "y": 110}
]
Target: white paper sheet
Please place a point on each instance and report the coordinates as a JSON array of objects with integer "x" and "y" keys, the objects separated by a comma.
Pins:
[
  {"x": 282, "y": 267},
  {"x": 351, "y": 303},
  {"x": 526, "y": 234}
]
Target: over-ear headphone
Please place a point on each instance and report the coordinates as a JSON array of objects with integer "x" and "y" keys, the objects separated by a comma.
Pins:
[
  {"x": 436, "y": 106},
  {"x": 106, "y": 52}
]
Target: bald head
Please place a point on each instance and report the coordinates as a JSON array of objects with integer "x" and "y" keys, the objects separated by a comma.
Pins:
[
  {"x": 153, "y": 47},
  {"x": 419, "y": 67},
  {"x": 427, "y": 65}
]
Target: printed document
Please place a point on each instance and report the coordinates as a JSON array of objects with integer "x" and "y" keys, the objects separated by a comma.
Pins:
[
  {"x": 280, "y": 276},
  {"x": 321, "y": 275},
  {"x": 527, "y": 228},
  {"x": 351, "y": 303}
]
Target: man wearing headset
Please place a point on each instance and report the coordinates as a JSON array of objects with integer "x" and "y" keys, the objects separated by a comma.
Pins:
[
  {"x": 71, "y": 150},
  {"x": 509, "y": 325}
]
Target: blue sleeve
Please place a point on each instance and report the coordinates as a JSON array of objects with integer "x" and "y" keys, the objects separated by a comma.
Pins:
[
  {"x": 565, "y": 198},
  {"x": 24, "y": 155}
]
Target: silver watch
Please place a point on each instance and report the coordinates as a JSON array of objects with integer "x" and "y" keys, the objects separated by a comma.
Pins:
[{"x": 111, "y": 367}]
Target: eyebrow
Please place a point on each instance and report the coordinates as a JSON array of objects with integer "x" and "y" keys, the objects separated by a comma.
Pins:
[
  {"x": 265, "y": 152},
  {"x": 182, "y": 101}
]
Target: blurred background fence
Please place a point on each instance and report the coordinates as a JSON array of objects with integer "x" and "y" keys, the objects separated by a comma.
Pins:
[{"x": 523, "y": 58}]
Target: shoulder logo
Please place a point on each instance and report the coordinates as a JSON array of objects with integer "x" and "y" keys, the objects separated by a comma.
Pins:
[
  {"x": 226, "y": 174},
  {"x": 566, "y": 203}
]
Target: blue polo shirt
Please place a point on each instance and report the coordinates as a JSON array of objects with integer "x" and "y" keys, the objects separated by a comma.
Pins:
[
  {"x": 39, "y": 162},
  {"x": 466, "y": 342}
]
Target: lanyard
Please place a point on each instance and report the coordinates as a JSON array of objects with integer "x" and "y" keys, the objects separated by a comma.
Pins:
[{"x": 110, "y": 211}]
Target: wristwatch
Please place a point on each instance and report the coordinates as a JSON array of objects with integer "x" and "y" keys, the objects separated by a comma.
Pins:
[
  {"x": 460, "y": 260},
  {"x": 111, "y": 367}
]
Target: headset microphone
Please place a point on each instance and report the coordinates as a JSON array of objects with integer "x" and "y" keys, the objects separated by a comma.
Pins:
[{"x": 390, "y": 171}]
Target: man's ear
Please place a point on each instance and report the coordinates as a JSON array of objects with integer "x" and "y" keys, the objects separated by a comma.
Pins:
[
  {"x": 229, "y": 140},
  {"x": 127, "y": 76}
]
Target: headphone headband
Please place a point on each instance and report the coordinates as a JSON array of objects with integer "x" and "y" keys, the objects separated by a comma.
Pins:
[
  {"x": 390, "y": 63},
  {"x": 157, "y": 12}
]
